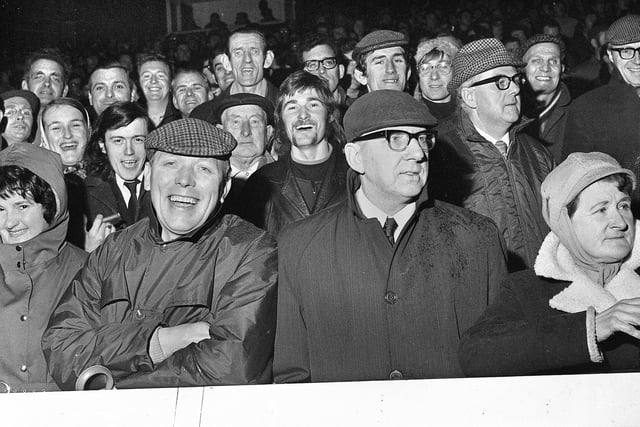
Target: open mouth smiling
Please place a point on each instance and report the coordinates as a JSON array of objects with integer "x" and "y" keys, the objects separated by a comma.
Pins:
[{"x": 183, "y": 201}]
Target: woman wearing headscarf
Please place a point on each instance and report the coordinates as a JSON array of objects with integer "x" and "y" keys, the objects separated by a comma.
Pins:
[
  {"x": 36, "y": 263},
  {"x": 579, "y": 309}
]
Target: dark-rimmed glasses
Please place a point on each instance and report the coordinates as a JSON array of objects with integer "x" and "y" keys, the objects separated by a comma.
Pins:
[
  {"x": 399, "y": 140},
  {"x": 502, "y": 82},
  {"x": 626, "y": 52},
  {"x": 314, "y": 64}
]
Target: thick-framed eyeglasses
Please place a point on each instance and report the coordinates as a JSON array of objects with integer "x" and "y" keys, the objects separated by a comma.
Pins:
[
  {"x": 314, "y": 64},
  {"x": 442, "y": 68},
  {"x": 626, "y": 52},
  {"x": 399, "y": 140},
  {"x": 502, "y": 82}
]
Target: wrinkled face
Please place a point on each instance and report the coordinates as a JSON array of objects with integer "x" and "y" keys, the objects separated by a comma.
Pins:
[
  {"x": 248, "y": 125},
  {"x": 247, "y": 58},
  {"x": 332, "y": 76},
  {"x": 393, "y": 176},
  {"x": 19, "y": 120},
  {"x": 387, "y": 69},
  {"x": 544, "y": 67},
  {"x": 223, "y": 76},
  {"x": 305, "y": 118},
  {"x": 125, "y": 149},
  {"x": 108, "y": 86},
  {"x": 154, "y": 80},
  {"x": 628, "y": 68},
  {"x": 434, "y": 78},
  {"x": 21, "y": 219},
  {"x": 495, "y": 107},
  {"x": 45, "y": 79},
  {"x": 603, "y": 222},
  {"x": 184, "y": 191},
  {"x": 190, "y": 90},
  {"x": 66, "y": 132}
]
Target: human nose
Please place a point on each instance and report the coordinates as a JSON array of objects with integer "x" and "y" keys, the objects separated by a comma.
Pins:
[
  {"x": 12, "y": 219},
  {"x": 618, "y": 220},
  {"x": 128, "y": 147},
  {"x": 414, "y": 151},
  {"x": 545, "y": 66},
  {"x": 434, "y": 74},
  {"x": 154, "y": 79},
  {"x": 184, "y": 177},
  {"x": 109, "y": 92},
  {"x": 67, "y": 132},
  {"x": 47, "y": 81},
  {"x": 390, "y": 67},
  {"x": 302, "y": 112},
  {"x": 246, "y": 57},
  {"x": 246, "y": 128},
  {"x": 636, "y": 57}
]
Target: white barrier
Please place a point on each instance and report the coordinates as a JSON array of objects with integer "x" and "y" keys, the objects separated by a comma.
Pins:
[{"x": 584, "y": 400}]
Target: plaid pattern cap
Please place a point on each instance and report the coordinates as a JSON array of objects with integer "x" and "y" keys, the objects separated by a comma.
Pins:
[
  {"x": 624, "y": 30},
  {"x": 190, "y": 137},
  {"x": 542, "y": 38},
  {"x": 380, "y": 39},
  {"x": 477, "y": 57}
]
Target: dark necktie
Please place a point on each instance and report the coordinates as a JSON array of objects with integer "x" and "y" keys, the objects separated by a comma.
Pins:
[
  {"x": 389, "y": 227},
  {"x": 132, "y": 207},
  {"x": 502, "y": 148}
]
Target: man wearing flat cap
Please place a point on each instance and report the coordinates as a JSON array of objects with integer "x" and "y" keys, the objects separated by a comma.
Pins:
[
  {"x": 545, "y": 98},
  {"x": 483, "y": 160},
  {"x": 383, "y": 285},
  {"x": 382, "y": 61},
  {"x": 21, "y": 109},
  {"x": 185, "y": 297},
  {"x": 606, "y": 119}
]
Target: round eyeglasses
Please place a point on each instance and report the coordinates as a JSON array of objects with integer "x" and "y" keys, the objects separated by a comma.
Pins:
[
  {"x": 399, "y": 140},
  {"x": 626, "y": 52},
  {"x": 314, "y": 64},
  {"x": 442, "y": 68},
  {"x": 502, "y": 82}
]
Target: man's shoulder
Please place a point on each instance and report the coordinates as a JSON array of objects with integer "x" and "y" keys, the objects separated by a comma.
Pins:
[
  {"x": 304, "y": 231},
  {"x": 274, "y": 171},
  {"x": 449, "y": 215},
  {"x": 240, "y": 231}
]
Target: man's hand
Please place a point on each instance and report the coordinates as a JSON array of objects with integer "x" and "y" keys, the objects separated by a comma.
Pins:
[
  {"x": 178, "y": 337},
  {"x": 623, "y": 316},
  {"x": 97, "y": 233}
]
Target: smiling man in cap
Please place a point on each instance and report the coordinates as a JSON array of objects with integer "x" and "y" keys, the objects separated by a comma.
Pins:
[
  {"x": 382, "y": 61},
  {"x": 185, "y": 297},
  {"x": 382, "y": 285},
  {"x": 483, "y": 161}
]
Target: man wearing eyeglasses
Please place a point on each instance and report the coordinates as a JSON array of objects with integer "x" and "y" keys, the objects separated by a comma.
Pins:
[
  {"x": 606, "y": 119},
  {"x": 382, "y": 285},
  {"x": 483, "y": 160}
]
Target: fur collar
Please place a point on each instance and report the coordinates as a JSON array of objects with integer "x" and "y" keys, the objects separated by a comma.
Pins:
[{"x": 555, "y": 262}]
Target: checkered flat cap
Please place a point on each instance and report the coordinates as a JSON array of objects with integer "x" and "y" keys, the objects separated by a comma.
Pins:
[
  {"x": 477, "y": 57},
  {"x": 542, "y": 38},
  {"x": 190, "y": 137},
  {"x": 624, "y": 30},
  {"x": 380, "y": 39}
]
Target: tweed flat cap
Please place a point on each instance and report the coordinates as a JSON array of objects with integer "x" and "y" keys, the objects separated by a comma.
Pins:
[
  {"x": 190, "y": 137},
  {"x": 382, "y": 109},
  {"x": 624, "y": 30},
  {"x": 380, "y": 39},
  {"x": 447, "y": 44},
  {"x": 477, "y": 57},
  {"x": 243, "y": 99},
  {"x": 27, "y": 95},
  {"x": 542, "y": 38}
]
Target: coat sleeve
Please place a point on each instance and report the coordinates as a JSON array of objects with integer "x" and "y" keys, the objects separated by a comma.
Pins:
[
  {"x": 291, "y": 358},
  {"x": 240, "y": 350},
  {"x": 578, "y": 136},
  {"x": 76, "y": 338},
  {"x": 520, "y": 335}
]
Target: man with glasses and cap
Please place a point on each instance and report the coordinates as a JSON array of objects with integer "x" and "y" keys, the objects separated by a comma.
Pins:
[
  {"x": 483, "y": 161},
  {"x": 382, "y": 285},
  {"x": 606, "y": 119},
  {"x": 185, "y": 297}
]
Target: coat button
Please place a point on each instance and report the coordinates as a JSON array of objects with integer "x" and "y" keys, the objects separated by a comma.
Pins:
[
  {"x": 139, "y": 315},
  {"x": 23, "y": 317},
  {"x": 391, "y": 297},
  {"x": 396, "y": 375},
  {"x": 18, "y": 248},
  {"x": 23, "y": 368}
]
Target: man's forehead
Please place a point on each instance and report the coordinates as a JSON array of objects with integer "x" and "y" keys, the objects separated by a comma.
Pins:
[
  {"x": 244, "y": 40},
  {"x": 386, "y": 52},
  {"x": 189, "y": 77},
  {"x": 42, "y": 65},
  {"x": 543, "y": 49},
  {"x": 63, "y": 112},
  {"x": 109, "y": 75},
  {"x": 302, "y": 94},
  {"x": 319, "y": 51},
  {"x": 245, "y": 109},
  {"x": 154, "y": 66},
  {"x": 16, "y": 100}
]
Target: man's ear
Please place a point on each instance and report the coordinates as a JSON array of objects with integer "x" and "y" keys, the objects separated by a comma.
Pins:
[
  {"x": 90, "y": 98},
  {"x": 175, "y": 101},
  {"x": 468, "y": 97},
  {"x": 408, "y": 74},
  {"x": 210, "y": 95},
  {"x": 65, "y": 90},
  {"x": 24, "y": 85},
  {"x": 147, "y": 176},
  {"x": 268, "y": 59},
  {"x": 226, "y": 62},
  {"x": 269, "y": 132},
  {"x": 227, "y": 188},
  {"x": 360, "y": 77},
  {"x": 341, "y": 71},
  {"x": 610, "y": 55},
  {"x": 134, "y": 94},
  {"x": 102, "y": 147},
  {"x": 354, "y": 157}
]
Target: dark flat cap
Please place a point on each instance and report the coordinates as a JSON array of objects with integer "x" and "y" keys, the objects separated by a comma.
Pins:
[
  {"x": 382, "y": 109},
  {"x": 29, "y": 96},
  {"x": 477, "y": 57},
  {"x": 243, "y": 99},
  {"x": 542, "y": 38},
  {"x": 624, "y": 30},
  {"x": 190, "y": 137},
  {"x": 380, "y": 39}
]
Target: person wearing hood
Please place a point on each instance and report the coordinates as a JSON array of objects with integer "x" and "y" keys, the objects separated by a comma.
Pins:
[
  {"x": 578, "y": 310},
  {"x": 606, "y": 119},
  {"x": 185, "y": 297},
  {"x": 36, "y": 262}
]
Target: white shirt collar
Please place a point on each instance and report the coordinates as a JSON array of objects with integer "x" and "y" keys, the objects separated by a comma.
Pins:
[
  {"x": 369, "y": 210},
  {"x": 125, "y": 191},
  {"x": 505, "y": 137}
]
